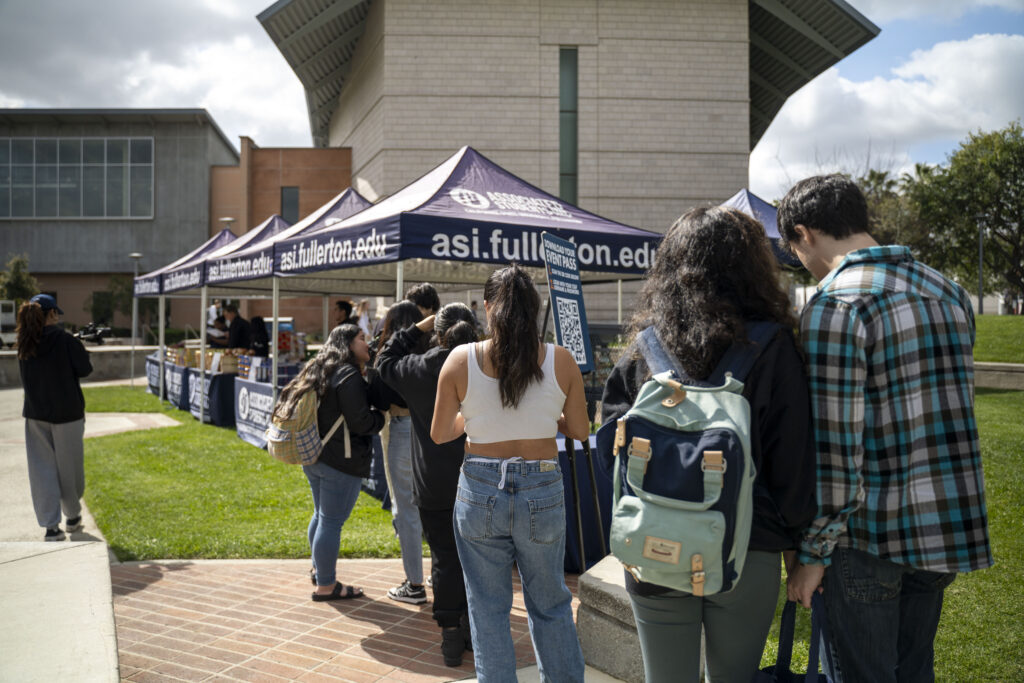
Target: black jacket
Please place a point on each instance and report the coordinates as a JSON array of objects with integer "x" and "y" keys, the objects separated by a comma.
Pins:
[
  {"x": 435, "y": 468},
  {"x": 50, "y": 378},
  {"x": 348, "y": 396},
  {"x": 781, "y": 438},
  {"x": 239, "y": 333}
]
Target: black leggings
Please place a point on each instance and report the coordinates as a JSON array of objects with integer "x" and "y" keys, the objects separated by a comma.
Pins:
[{"x": 446, "y": 570}]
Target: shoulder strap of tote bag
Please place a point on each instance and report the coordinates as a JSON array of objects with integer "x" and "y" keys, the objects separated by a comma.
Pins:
[{"x": 334, "y": 428}]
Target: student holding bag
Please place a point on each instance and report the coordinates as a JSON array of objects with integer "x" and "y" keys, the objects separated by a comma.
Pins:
[
  {"x": 335, "y": 374},
  {"x": 713, "y": 278}
]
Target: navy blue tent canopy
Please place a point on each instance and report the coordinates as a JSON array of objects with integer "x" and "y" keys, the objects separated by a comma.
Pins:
[
  {"x": 185, "y": 269},
  {"x": 466, "y": 211},
  {"x": 752, "y": 205}
]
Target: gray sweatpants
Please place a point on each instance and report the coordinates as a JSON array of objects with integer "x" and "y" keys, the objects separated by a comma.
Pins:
[{"x": 56, "y": 472}]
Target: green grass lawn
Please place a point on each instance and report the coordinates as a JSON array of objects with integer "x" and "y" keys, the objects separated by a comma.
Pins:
[
  {"x": 981, "y": 635},
  {"x": 1000, "y": 339},
  {"x": 198, "y": 491}
]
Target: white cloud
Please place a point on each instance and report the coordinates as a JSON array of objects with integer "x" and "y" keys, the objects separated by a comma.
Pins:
[
  {"x": 883, "y": 11},
  {"x": 191, "y": 53},
  {"x": 937, "y": 97}
]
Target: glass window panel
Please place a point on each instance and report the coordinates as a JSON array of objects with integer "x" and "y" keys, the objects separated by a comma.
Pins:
[
  {"x": 69, "y": 197},
  {"x": 142, "y": 151},
  {"x": 568, "y": 79},
  {"x": 5, "y": 151},
  {"x": 46, "y": 201},
  {"x": 567, "y": 188},
  {"x": 290, "y": 204},
  {"x": 46, "y": 176},
  {"x": 5, "y": 175},
  {"x": 5, "y": 202},
  {"x": 46, "y": 151},
  {"x": 21, "y": 202},
  {"x": 21, "y": 151},
  {"x": 22, "y": 176},
  {"x": 92, "y": 151},
  {"x": 117, "y": 151},
  {"x": 142, "y": 190},
  {"x": 92, "y": 191},
  {"x": 117, "y": 191},
  {"x": 70, "y": 151}
]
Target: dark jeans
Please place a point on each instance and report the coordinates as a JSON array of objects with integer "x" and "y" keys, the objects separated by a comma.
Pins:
[
  {"x": 446, "y": 570},
  {"x": 882, "y": 617}
]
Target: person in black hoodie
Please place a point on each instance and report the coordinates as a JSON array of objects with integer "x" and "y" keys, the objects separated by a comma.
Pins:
[
  {"x": 335, "y": 374},
  {"x": 51, "y": 362},
  {"x": 713, "y": 273},
  {"x": 435, "y": 467}
]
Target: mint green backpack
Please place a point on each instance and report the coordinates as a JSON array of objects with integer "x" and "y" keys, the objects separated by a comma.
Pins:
[{"x": 684, "y": 477}]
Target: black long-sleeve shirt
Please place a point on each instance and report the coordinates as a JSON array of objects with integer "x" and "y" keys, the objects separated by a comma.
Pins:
[
  {"x": 348, "y": 396},
  {"x": 435, "y": 467},
  {"x": 50, "y": 378},
  {"x": 781, "y": 437}
]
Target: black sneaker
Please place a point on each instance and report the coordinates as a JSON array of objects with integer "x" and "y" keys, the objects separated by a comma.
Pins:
[
  {"x": 73, "y": 524},
  {"x": 453, "y": 644},
  {"x": 54, "y": 534},
  {"x": 414, "y": 595}
]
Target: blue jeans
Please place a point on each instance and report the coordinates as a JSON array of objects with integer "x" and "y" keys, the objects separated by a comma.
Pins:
[
  {"x": 882, "y": 617},
  {"x": 405, "y": 515},
  {"x": 524, "y": 523},
  {"x": 334, "y": 496}
]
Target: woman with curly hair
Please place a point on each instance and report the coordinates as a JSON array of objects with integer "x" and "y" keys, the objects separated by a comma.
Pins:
[
  {"x": 714, "y": 274},
  {"x": 51, "y": 362},
  {"x": 335, "y": 374},
  {"x": 511, "y": 395}
]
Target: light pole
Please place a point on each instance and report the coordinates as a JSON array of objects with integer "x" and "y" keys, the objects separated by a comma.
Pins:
[
  {"x": 134, "y": 256},
  {"x": 981, "y": 260}
]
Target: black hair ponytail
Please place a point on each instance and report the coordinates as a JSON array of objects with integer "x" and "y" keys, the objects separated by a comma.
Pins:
[{"x": 515, "y": 339}]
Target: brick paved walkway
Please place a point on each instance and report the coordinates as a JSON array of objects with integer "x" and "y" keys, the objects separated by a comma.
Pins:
[{"x": 253, "y": 621}]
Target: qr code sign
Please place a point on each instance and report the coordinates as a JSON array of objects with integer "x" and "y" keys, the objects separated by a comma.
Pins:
[{"x": 572, "y": 332}]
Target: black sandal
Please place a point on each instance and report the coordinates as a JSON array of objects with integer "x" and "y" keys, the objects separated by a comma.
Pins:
[{"x": 340, "y": 592}]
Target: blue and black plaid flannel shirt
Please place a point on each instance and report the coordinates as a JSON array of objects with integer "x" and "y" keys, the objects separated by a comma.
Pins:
[{"x": 889, "y": 349}]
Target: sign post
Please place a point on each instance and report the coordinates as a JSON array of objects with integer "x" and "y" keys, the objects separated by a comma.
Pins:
[{"x": 565, "y": 291}]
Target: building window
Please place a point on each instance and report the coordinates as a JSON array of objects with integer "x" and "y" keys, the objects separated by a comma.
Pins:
[
  {"x": 76, "y": 178},
  {"x": 290, "y": 204},
  {"x": 568, "y": 115}
]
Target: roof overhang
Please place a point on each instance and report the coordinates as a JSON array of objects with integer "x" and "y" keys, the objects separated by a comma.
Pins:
[
  {"x": 318, "y": 40},
  {"x": 791, "y": 42},
  {"x": 114, "y": 116}
]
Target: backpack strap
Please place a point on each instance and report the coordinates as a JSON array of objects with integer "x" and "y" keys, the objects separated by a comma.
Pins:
[{"x": 739, "y": 359}]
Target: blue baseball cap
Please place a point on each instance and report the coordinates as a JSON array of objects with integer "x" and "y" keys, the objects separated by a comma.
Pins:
[{"x": 46, "y": 302}]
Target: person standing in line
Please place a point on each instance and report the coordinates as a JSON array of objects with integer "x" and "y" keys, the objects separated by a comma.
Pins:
[
  {"x": 901, "y": 495},
  {"x": 335, "y": 374},
  {"x": 51, "y": 363},
  {"x": 343, "y": 313},
  {"x": 398, "y": 464},
  {"x": 425, "y": 297},
  {"x": 715, "y": 275},
  {"x": 239, "y": 331},
  {"x": 435, "y": 467},
  {"x": 511, "y": 395}
]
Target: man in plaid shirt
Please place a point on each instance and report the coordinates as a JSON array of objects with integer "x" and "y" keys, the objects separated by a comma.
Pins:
[{"x": 901, "y": 498}]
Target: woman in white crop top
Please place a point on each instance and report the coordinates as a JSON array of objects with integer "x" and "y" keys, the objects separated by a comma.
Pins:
[{"x": 511, "y": 395}]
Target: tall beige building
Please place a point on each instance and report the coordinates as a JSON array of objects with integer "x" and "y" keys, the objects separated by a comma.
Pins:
[{"x": 634, "y": 109}]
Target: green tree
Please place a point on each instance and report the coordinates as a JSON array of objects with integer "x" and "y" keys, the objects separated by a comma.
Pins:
[
  {"x": 981, "y": 189},
  {"x": 16, "y": 282}
]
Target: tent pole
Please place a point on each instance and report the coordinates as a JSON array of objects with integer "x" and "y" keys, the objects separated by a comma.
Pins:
[
  {"x": 618, "y": 284},
  {"x": 163, "y": 350},
  {"x": 273, "y": 334},
  {"x": 327, "y": 329},
  {"x": 399, "y": 280},
  {"x": 202, "y": 356}
]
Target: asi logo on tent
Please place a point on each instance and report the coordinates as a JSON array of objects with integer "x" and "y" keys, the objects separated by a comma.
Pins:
[{"x": 473, "y": 200}]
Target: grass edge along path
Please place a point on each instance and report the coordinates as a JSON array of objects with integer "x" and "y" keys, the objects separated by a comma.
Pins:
[
  {"x": 198, "y": 491},
  {"x": 981, "y": 635}
]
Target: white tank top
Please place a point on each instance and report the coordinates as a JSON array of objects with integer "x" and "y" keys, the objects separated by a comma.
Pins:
[{"x": 487, "y": 421}]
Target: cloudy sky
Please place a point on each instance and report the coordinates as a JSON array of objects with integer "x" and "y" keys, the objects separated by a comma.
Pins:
[{"x": 938, "y": 70}]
